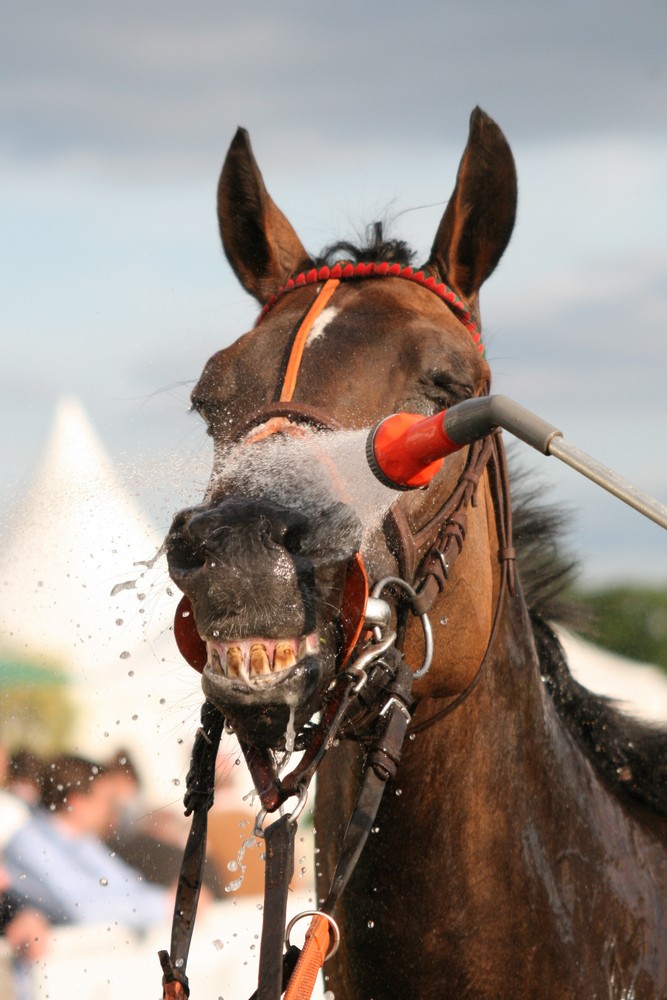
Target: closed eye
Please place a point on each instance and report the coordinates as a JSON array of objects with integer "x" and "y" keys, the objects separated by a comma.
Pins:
[
  {"x": 197, "y": 406},
  {"x": 443, "y": 390}
]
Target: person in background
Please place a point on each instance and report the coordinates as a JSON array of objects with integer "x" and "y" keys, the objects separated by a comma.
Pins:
[
  {"x": 24, "y": 776},
  {"x": 155, "y": 850},
  {"x": 25, "y": 929},
  {"x": 14, "y": 813},
  {"x": 59, "y": 864}
]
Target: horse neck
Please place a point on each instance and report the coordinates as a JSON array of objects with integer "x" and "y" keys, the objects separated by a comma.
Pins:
[{"x": 494, "y": 816}]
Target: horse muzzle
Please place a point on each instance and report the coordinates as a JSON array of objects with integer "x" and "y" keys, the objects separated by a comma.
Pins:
[{"x": 261, "y": 618}]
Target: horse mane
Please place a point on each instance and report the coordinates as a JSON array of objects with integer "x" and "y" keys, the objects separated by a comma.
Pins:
[
  {"x": 372, "y": 246},
  {"x": 629, "y": 755}
]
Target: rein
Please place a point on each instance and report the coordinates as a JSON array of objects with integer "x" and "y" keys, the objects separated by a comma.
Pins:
[{"x": 370, "y": 700}]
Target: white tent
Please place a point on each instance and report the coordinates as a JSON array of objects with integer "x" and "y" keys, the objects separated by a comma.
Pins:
[
  {"x": 638, "y": 688},
  {"x": 76, "y": 538}
]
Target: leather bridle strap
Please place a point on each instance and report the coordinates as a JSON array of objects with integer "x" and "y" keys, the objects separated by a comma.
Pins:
[
  {"x": 198, "y": 800},
  {"x": 496, "y": 463},
  {"x": 302, "y": 334}
]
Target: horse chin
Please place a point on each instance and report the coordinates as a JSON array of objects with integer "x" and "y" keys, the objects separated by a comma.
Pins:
[{"x": 268, "y": 688}]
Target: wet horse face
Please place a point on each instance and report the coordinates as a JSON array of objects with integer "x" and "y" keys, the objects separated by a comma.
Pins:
[{"x": 265, "y": 566}]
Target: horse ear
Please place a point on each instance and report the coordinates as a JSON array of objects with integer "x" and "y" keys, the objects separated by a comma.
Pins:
[
  {"x": 260, "y": 244},
  {"x": 479, "y": 217}
]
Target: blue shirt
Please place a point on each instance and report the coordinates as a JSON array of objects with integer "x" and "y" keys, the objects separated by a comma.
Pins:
[{"x": 77, "y": 879}]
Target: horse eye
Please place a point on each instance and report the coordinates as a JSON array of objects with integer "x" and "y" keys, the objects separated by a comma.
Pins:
[
  {"x": 196, "y": 406},
  {"x": 443, "y": 388}
]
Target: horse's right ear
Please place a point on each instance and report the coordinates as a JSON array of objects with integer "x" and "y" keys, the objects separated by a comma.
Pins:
[{"x": 260, "y": 244}]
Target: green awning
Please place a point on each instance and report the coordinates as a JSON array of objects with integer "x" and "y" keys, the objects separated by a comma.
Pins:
[{"x": 23, "y": 674}]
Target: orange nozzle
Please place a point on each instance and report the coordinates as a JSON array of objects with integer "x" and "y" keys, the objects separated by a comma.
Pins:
[{"x": 406, "y": 450}]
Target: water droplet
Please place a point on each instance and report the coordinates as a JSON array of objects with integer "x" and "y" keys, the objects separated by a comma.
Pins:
[
  {"x": 444, "y": 621},
  {"x": 125, "y": 655},
  {"x": 130, "y": 673},
  {"x": 217, "y": 944},
  {"x": 370, "y": 924},
  {"x": 119, "y": 621},
  {"x": 163, "y": 701},
  {"x": 179, "y": 963},
  {"x": 399, "y": 791},
  {"x": 134, "y": 718},
  {"x": 104, "y": 881}
]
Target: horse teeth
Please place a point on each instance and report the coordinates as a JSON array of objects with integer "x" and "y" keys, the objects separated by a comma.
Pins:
[
  {"x": 234, "y": 662},
  {"x": 215, "y": 662},
  {"x": 306, "y": 646},
  {"x": 259, "y": 659},
  {"x": 283, "y": 656}
]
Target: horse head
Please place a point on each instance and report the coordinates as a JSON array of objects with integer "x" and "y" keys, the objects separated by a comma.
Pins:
[{"x": 269, "y": 560}]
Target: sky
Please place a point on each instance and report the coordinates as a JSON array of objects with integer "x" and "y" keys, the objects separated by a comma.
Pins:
[{"x": 116, "y": 118}]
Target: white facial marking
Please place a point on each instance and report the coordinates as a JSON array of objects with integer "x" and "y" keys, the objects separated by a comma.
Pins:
[{"x": 321, "y": 323}]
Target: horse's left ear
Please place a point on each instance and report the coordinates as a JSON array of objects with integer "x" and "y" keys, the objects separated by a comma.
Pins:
[
  {"x": 260, "y": 243},
  {"x": 479, "y": 217}
]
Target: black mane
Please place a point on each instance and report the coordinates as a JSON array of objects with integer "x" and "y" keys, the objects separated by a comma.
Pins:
[
  {"x": 373, "y": 246},
  {"x": 630, "y": 756}
]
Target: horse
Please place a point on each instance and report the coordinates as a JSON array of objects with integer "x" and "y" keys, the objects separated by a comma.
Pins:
[{"x": 520, "y": 848}]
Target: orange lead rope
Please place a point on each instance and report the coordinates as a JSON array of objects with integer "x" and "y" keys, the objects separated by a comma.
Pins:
[
  {"x": 315, "y": 950},
  {"x": 298, "y": 347}
]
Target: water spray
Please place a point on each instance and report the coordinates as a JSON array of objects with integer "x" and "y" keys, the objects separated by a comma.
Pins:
[{"x": 406, "y": 450}]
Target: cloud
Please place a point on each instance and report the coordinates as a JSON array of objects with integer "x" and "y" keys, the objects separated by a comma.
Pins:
[{"x": 164, "y": 83}]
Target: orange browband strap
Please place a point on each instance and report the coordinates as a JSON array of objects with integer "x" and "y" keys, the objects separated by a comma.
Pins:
[{"x": 299, "y": 344}]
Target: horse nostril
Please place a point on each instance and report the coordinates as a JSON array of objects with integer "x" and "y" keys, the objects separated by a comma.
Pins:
[
  {"x": 292, "y": 539},
  {"x": 185, "y": 551}
]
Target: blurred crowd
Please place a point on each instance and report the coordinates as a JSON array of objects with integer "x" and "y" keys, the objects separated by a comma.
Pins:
[{"x": 76, "y": 847}]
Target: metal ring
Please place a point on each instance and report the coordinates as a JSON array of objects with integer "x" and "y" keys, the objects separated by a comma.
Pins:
[
  {"x": 333, "y": 928},
  {"x": 426, "y": 624},
  {"x": 358, "y": 668},
  {"x": 258, "y": 830}
]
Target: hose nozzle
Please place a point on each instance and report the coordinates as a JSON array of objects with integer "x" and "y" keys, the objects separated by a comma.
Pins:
[{"x": 406, "y": 450}]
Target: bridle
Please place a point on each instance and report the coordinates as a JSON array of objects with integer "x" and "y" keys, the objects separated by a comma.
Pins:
[{"x": 369, "y": 700}]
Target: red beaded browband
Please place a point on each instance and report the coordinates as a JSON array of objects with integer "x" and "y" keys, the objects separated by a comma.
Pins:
[{"x": 343, "y": 272}]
